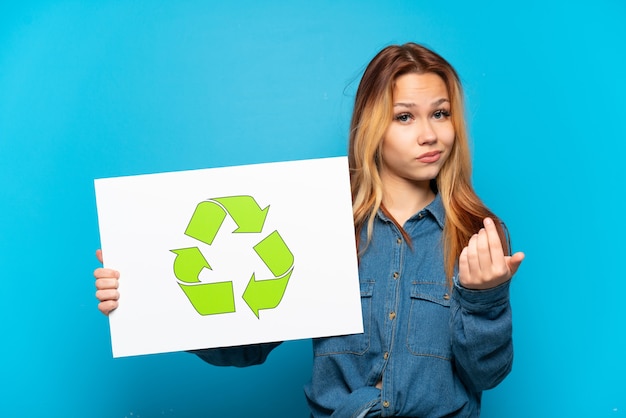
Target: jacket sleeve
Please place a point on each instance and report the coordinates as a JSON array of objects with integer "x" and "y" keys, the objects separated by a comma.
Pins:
[
  {"x": 482, "y": 335},
  {"x": 241, "y": 356}
]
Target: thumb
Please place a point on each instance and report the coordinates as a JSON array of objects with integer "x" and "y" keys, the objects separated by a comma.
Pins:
[
  {"x": 514, "y": 261},
  {"x": 99, "y": 255}
]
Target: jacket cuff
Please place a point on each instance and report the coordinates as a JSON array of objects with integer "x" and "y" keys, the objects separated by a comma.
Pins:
[{"x": 481, "y": 300}]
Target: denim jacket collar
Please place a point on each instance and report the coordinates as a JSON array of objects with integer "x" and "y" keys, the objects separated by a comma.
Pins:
[{"x": 434, "y": 209}]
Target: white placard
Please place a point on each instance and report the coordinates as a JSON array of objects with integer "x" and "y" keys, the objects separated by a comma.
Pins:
[{"x": 230, "y": 256}]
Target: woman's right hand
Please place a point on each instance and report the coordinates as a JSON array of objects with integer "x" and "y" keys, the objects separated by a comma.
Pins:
[{"x": 106, "y": 283}]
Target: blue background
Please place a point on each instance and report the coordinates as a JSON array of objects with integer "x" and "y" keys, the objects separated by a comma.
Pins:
[{"x": 110, "y": 88}]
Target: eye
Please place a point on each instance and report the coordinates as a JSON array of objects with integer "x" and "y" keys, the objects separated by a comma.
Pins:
[
  {"x": 403, "y": 117},
  {"x": 441, "y": 114}
]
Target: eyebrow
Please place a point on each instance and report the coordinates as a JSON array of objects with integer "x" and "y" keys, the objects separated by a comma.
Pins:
[{"x": 433, "y": 104}]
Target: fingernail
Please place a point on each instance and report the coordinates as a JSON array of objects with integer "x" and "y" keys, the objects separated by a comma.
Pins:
[{"x": 488, "y": 221}]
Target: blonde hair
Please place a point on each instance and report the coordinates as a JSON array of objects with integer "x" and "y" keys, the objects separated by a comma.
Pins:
[{"x": 372, "y": 114}]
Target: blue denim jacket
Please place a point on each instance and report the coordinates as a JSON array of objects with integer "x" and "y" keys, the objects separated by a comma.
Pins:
[{"x": 435, "y": 348}]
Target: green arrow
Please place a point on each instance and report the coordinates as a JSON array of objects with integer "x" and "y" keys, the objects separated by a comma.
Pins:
[
  {"x": 188, "y": 264},
  {"x": 205, "y": 222},
  {"x": 211, "y": 298},
  {"x": 245, "y": 211},
  {"x": 265, "y": 294},
  {"x": 206, "y": 298},
  {"x": 275, "y": 254}
]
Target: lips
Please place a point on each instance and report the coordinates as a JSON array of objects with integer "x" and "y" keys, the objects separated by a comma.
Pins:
[{"x": 429, "y": 157}]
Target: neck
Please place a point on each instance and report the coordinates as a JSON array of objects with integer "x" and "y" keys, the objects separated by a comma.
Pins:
[{"x": 404, "y": 199}]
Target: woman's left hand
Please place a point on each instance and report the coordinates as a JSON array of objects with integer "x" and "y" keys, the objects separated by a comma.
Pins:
[{"x": 482, "y": 264}]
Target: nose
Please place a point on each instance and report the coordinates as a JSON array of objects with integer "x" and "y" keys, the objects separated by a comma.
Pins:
[{"x": 427, "y": 134}]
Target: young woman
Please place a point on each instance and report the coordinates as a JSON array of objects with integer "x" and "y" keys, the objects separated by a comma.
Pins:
[{"x": 434, "y": 263}]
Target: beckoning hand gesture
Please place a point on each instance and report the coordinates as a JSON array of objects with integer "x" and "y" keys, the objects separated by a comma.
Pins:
[{"x": 482, "y": 264}]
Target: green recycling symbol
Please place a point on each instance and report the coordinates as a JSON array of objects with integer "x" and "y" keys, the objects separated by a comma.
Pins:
[{"x": 219, "y": 297}]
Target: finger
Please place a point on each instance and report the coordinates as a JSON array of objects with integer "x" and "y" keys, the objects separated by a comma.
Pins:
[
  {"x": 495, "y": 245},
  {"x": 107, "y": 294},
  {"x": 499, "y": 267},
  {"x": 108, "y": 306},
  {"x": 99, "y": 255},
  {"x": 514, "y": 261},
  {"x": 484, "y": 254},
  {"x": 472, "y": 258},
  {"x": 102, "y": 273},
  {"x": 464, "y": 273},
  {"x": 107, "y": 283}
]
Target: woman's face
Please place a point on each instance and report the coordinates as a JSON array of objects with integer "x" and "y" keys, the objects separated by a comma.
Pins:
[{"x": 419, "y": 139}]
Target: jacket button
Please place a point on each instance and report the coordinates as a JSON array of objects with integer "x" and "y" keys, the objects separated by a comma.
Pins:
[
  {"x": 386, "y": 355},
  {"x": 396, "y": 275},
  {"x": 399, "y": 241},
  {"x": 386, "y": 404},
  {"x": 446, "y": 296},
  {"x": 392, "y": 315}
]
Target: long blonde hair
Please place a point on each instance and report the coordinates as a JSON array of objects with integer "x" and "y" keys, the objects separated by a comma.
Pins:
[{"x": 372, "y": 114}]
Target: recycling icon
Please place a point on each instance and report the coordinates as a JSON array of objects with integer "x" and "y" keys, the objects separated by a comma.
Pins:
[{"x": 218, "y": 297}]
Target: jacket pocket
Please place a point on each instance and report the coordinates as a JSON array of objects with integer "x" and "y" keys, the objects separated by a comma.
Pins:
[
  {"x": 352, "y": 343},
  {"x": 428, "y": 327}
]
